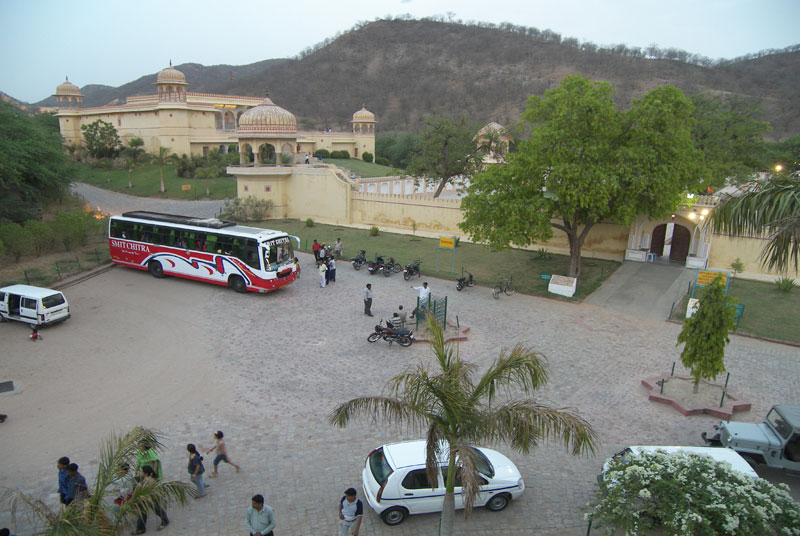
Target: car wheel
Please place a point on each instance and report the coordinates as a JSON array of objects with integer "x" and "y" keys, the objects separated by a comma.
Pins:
[
  {"x": 237, "y": 284},
  {"x": 497, "y": 503},
  {"x": 156, "y": 269},
  {"x": 394, "y": 515},
  {"x": 373, "y": 337}
]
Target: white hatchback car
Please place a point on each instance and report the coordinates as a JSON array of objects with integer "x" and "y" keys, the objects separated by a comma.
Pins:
[{"x": 396, "y": 485}]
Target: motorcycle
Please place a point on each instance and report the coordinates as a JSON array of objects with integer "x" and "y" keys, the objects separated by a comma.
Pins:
[
  {"x": 391, "y": 267},
  {"x": 359, "y": 260},
  {"x": 373, "y": 267},
  {"x": 404, "y": 337},
  {"x": 462, "y": 282},
  {"x": 412, "y": 269}
]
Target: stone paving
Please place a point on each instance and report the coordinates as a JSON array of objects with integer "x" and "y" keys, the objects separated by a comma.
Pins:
[
  {"x": 117, "y": 203},
  {"x": 289, "y": 357}
]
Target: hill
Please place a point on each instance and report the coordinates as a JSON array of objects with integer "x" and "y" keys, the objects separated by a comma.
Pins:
[{"x": 403, "y": 70}]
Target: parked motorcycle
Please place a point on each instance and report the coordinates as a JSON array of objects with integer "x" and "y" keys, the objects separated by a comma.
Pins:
[
  {"x": 359, "y": 260},
  {"x": 391, "y": 267},
  {"x": 412, "y": 269},
  {"x": 404, "y": 337},
  {"x": 462, "y": 282},
  {"x": 373, "y": 267}
]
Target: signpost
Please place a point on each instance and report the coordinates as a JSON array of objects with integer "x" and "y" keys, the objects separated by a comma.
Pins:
[
  {"x": 449, "y": 243},
  {"x": 185, "y": 187},
  {"x": 703, "y": 278}
]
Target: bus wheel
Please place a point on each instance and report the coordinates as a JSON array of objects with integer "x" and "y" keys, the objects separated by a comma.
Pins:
[
  {"x": 156, "y": 269},
  {"x": 237, "y": 284}
]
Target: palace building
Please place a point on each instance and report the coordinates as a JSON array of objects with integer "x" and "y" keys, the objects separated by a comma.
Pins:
[{"x": 195, "y": 123}]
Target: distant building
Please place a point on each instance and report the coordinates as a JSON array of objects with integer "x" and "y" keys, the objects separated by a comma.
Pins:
[{"x": 195, "y": 123}]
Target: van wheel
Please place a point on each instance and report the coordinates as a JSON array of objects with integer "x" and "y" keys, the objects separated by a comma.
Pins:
[
  {"x": 237, "y": 284},
  {"x": 394, "y": 515},
  {"x": 497, "y": 503},
  {"x": 156, "y": 269}
]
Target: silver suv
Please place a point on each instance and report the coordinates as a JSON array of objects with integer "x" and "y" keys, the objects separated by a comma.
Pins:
[{"x": 774, "y": 442}]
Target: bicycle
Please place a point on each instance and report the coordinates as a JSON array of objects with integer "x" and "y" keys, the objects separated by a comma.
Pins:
[{"x": 505, "y": 286}]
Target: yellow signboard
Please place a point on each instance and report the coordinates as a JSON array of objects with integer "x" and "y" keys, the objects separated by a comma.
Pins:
[
  {"x": 186, "y": 187},
  {"x": 705, "y": 277},
  {"x": 447, "y": 242}
]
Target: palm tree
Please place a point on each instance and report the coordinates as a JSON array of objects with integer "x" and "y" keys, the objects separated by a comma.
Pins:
[
  {"x": 205, "y": 173},
  {"x": 162, "y": 159},
  {"x": 449, "y": 406},
  {"x": 92, "y": 516},
  {"x": 771, "y": 207},
  {"x": 130, "y": 163}
]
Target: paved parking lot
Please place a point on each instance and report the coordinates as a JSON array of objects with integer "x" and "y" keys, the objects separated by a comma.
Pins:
[{"x": 189, "y": 358}]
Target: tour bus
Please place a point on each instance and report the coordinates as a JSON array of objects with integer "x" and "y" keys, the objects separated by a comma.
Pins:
[{"x": 204, "y": 249}]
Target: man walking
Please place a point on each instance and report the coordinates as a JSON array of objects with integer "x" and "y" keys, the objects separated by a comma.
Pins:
[
  {"x": 350, "y": 512},
  {"x": 367, "y": 292},
  {"x": 63, "y": 479},
  {"x": 338, "y": 248},
  {"x": 260, "y": 518},
  {"x": 77, "y": 489}
]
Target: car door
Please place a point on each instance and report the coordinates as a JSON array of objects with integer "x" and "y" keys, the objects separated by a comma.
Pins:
[
  {"x": 480, "y": 500},
  {"x": 417, "y": 495},
  {"x": 27, "y": 309}
]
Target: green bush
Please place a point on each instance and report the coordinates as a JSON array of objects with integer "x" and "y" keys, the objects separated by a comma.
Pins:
[
  {"x": 43, "y": 236},
  {"x": 72, "y": 228},
  {"x": 343, "y": 155},
  {"x": 785, "y": 284},
  {"x": 309, "y": 222},
  {"x": 737, "y": 266},
  {"x": 543, "y": 254},
  {"x": 374, "y": 231},
  {"x": 17, "y": 240},
  {"x": 382, "y": 160},
  {"x": 367, "y": 157},
  {"x": 322, "y": 153},
  {"x": 286, "y": 159},
  {"x": 248, "y": 209}
]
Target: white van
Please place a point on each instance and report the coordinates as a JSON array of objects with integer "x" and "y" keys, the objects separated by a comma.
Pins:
[{"x": 34, "y": 305}]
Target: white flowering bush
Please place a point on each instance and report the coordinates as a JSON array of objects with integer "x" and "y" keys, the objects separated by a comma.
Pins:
[{"x": 684, "y": 493}]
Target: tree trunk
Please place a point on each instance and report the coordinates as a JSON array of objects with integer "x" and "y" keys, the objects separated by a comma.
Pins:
[
  {"x": 161, "y": 172},
  {"x": 570, "y": 228},
  {"x": 439, "y": 188},
  {"x": 448, "y": 514}
]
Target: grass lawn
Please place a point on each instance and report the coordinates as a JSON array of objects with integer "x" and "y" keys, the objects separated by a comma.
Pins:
[
  {"x": 146, "y": 183},
  {"x": 487, "y": 266},
  {"x": 768, "y": 312},
  {"x": 364, "y": 169}
]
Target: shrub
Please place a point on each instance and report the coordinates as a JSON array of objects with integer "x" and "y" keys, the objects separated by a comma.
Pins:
[
  {"x": 322, "y": 153},
  {"x": 382, "y": 160},
  {"x": 785, "y": 284},
  {"x": 71, "y": 228},
  {"x": 17, "y": 240},
  {"x": 342, "y": 155},
  {"x": 367, "y": 157},
  {"x": 374, "y": 231},
  {"x": 248, "y": 209},
  {"x": 286, "y": 159},
  {"x": 737, "y": 266},
  {"x": 309, "y": 222},
  {"x": 43, "y": 236},
  {"x": 543, "y": 254},
  {"x": 689, "y": 494}
]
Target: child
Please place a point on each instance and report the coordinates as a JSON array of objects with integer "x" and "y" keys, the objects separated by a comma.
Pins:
[{"x": 222, "y": 454}]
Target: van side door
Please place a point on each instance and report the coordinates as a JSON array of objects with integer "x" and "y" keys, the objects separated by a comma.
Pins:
[{"x": 27, "y": 308}]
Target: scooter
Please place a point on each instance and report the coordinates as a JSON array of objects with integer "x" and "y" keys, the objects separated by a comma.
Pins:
[
  {"x": 359, "y": 260},
  {"x": 411, "y": 269},
  {"x": 404, "y": 337},
  {"x": 462, "y": 282}
]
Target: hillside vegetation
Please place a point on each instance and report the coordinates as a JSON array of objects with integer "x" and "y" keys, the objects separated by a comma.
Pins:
[{"x": 403, "y": 70}]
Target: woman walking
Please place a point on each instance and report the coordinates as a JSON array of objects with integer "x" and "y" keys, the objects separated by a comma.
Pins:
[
  {"x": 196, "y": 469},
  {"x": 222, "y": 454}
]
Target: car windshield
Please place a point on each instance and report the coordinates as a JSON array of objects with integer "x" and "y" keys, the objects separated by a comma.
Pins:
[
  {"x": 277, "y": 253},
  {"x": 52, "y": 300},
  {"x": 482, "y": 463},
  {"x": 378, "y": 465},
  {"x": 779, "y": 423}
]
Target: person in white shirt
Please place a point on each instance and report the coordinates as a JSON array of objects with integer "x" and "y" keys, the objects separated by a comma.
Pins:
[
  {"x": 321, "y": 269},
  {"x": 350, "y": 512},
  {"x": 260, "y": 518},
  {"x": 367, "y": 293},
  {"x": 424, "y": 293}
]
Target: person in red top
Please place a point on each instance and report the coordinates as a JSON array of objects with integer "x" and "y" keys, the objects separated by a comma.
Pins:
[{"x": 315, "y": 248}]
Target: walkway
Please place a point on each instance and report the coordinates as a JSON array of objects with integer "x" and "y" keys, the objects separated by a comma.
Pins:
[{"x": 117, "y": 203}]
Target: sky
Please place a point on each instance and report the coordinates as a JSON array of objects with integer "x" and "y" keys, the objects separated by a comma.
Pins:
[{"x": 113, "y": 42}]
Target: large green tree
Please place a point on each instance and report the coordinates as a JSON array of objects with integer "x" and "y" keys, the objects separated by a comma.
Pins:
[
  {"x": 33, "y": 168},
  {"x": 585, "y": 162},
  {"x": 771, "y": 209},
  {"x": 730, "y": 134},
  {"x": 449, "y": 403},
  {"x": 705, "y": 334},
  {"x": 101, "y": 139},
  {"x": 447, "y": 149}
]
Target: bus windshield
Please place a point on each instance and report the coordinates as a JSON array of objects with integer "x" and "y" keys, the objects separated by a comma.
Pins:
[{"x": 277, "y": 253}]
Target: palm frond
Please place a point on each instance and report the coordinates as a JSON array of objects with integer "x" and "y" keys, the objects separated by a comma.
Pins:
[
  {"x": 782, "y": 250},
  {"x": 147, "y": 496},
  {"x": 433, "y": 452},
  {"x": 375, "y": 407},
  {"x": 525, "y": 424},
  {"x": 521, "y": 367},
  {"x": 442, "y": 351},
  {"x": 467, "y": 470},
  {"x": 70, "y": 520}
]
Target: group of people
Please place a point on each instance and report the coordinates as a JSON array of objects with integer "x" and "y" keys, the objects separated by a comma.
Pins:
[
  {"x": 326, "y": 261},
  {"x": 398, "y": 319}
]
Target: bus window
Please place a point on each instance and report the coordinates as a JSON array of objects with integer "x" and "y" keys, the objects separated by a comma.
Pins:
[
  {"x": 250, "y": 254},
  {"x": 146, "y": 234}
]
